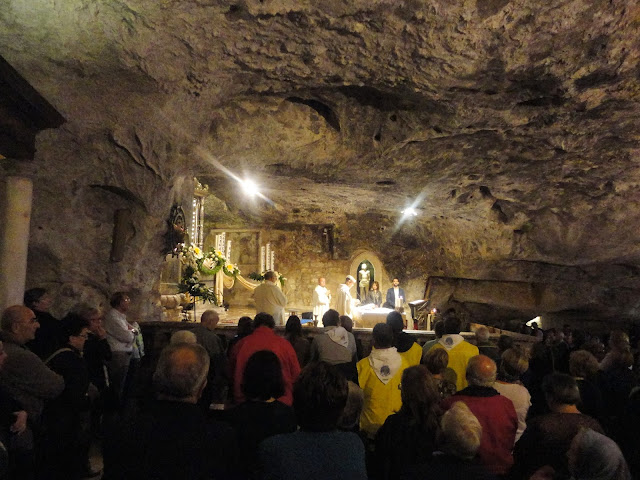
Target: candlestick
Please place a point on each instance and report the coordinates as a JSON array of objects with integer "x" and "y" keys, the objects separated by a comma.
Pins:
[
  {"x": 228, "y": 256},
  {"x": 273, "y": 260},
  {"x": 262, "y": 258}
]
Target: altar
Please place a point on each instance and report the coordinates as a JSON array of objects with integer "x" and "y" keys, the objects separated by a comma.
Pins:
[{"x": 367, "y": 316}]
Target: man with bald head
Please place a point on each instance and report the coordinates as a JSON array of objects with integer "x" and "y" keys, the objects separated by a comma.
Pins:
[
  {"x": 24, "y": 374},
  {"x": 269, "y": 298},
  {"x": 321, "y": 300},
  {"x": 495, "y": 412},
  {"x": 217, "y": 385},
  {"x": 174, "y": 438}
]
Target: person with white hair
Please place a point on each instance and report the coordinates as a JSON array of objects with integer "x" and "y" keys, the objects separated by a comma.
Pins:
[
  {"x": 458, "y": 440},
  {"x": 485, "y": 346},
  {"x": 183, "y": 336},
  {"x": 495, "y": 413},
  {"x": 345, "y": 303}
]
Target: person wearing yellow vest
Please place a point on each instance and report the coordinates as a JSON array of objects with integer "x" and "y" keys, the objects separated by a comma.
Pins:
[
  {"x": 379, "y": 377},
  {"x": 459, "y": 350},
  {"x": 406, "y": 344}
]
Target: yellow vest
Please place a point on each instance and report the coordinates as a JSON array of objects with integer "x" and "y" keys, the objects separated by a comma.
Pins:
[
  {"x": 380, "y": 400},
  {"x": 413, "y": 355},
  {"x": 458, "y": 358}
]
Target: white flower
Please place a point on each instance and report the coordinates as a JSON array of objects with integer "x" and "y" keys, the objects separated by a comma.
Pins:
[
  {"x": 197, "y": 253},
  {"x": 209, "y": 263}
]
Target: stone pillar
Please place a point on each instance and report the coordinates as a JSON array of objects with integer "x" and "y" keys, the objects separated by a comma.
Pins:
[{"x": 14, "y": 244}]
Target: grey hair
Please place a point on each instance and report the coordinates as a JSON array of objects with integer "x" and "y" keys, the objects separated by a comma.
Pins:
[
  {"x": 210, "y": 316},
  {"x": 461, "y": 432},
  {"x": 183, "y": 336},
  {"x": 182, "y": 370},
  {"x": 482, "y": 334},
  {"x": 84, "y": 310}
]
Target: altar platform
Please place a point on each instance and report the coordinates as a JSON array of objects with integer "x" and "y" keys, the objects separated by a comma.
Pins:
[{"x": 365, "y": 318}]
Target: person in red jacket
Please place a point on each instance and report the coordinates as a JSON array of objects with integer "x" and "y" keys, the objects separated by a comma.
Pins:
[
  {"x": 264, "y": 338},
  {"x": 495, "y": 412}
]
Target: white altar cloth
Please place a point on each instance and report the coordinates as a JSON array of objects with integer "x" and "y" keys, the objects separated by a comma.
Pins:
[{"x": 368, "y": 316}]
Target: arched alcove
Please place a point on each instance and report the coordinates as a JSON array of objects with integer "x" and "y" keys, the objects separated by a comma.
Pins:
[{"x": 381, "y": 275}]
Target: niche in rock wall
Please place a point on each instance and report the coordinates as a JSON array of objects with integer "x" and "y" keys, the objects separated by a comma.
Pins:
[
  {"x": 364, "y": 280},
  {"x": 114, "y": 211},
  {"x": 374, "y": 271}
]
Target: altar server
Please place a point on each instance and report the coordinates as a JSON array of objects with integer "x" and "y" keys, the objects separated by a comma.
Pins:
[
  {"x": 321, "y": 300},
  {"x": 270, "y": 299},
  {"x": 345, "y": 304}
]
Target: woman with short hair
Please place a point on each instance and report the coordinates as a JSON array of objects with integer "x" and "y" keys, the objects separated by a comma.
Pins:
[{"x": 514, "y": 362}]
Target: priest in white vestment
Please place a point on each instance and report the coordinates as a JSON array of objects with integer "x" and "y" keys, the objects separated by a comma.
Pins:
[
  {"x": 270, "y": 299},
  {"x": 321, "y": 300},
  {"x": 345, "y": 304}
]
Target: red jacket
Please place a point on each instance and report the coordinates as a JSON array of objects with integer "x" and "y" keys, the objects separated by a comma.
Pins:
[
  {"x": 264, "y": 338},
  {"x": 499, "y": 421}
]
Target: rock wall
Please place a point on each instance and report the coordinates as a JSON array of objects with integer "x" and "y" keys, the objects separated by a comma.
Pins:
[{"x": 79, "y": 190}]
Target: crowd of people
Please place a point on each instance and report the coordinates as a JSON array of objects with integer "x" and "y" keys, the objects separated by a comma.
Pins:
[{"x": 266, "y": 406}]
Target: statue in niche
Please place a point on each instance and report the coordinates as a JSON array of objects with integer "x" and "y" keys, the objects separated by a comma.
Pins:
[{"x": 364, "y": 279}]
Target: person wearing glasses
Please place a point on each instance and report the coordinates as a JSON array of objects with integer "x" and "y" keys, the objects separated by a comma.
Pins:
[
  {"x": 28, "y": 380},
  {"x": 65, "y": 418}
]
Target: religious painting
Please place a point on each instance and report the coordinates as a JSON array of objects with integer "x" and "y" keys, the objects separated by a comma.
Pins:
[{"x": 245, "y": 247}]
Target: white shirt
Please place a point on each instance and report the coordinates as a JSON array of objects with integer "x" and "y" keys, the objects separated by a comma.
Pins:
[
  {"x": 270, "y": 299},
  {"x": 396, "y": 294},
  {"x": 119, "y": 333},
  {"x": 320, "y": 303},
  {"x": 521, "y": 399}
]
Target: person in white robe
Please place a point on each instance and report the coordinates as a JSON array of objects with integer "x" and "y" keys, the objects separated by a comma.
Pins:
[
  {"x": 345, "y": 304},
  {"x": 270, "y": 299},
  {"x": 321, "y": 300}
]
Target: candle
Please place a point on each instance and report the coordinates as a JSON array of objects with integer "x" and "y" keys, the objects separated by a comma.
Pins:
[
  {"x": 273, "y": 260},
  {"x": 268, "y": 257},
  {"x": 262, "y": 258}
]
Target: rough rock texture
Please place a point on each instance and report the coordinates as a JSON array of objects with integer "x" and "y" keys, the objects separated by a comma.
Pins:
[{"x": 511, "y": 126}]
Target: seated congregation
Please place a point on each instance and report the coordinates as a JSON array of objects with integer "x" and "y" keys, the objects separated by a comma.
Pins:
[{"x": 264, "y": 406}]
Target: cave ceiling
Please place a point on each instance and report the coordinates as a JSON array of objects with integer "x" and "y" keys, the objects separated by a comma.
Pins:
[{"x": 513, "y": 123}]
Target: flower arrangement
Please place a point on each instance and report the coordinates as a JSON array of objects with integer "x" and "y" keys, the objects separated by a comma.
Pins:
[
  {"x": 196, "y": 263},
  {"x": 259, "y": 277}
]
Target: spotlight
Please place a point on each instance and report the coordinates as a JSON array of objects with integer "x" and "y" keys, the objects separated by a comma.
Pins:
[
  {"x": 410, "y": 212},
  {"x": 249, "y": 187}
]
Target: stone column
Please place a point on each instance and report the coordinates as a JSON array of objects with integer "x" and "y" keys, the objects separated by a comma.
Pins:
[{"x": 15, "y": 240}]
